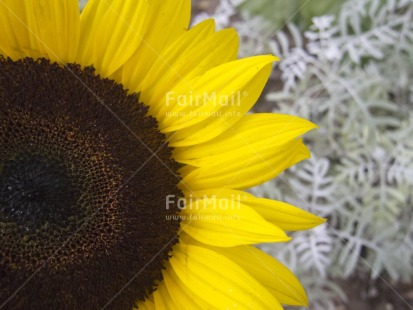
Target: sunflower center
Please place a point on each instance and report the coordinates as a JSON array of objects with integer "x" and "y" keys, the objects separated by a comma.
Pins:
[
  {"x": 35, "y": 191},
  {"x": 84, "y": 174}
]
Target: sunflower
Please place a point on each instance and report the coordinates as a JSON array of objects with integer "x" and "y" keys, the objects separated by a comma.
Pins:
[{"x": 125, "y": 152}]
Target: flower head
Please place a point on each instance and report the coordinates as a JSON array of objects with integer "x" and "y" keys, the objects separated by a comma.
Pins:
[{"x": 125, "y": 149}]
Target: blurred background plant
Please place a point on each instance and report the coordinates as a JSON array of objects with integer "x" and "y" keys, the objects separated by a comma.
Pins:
[
  {"x": 82, "y": 3},
  {"x": 299, "y": 12},
  {"x": 347, "y": 66}
]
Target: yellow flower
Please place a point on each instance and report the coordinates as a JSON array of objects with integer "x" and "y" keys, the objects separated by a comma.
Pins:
[{"x": 125, "y": 152}]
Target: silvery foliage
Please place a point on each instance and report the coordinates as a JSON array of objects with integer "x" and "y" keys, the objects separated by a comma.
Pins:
[
  {"x": 82, "y": 3},
  {"x": 351, "y": 74}
]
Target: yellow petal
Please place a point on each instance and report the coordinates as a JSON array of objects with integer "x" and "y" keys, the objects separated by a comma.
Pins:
[
  {"x": 238, "y": 171},
  {"x": 281, "y": 214},
  {"x": 284, "y": 215},
  {"x": 219, "y": 193},
  {"x": 39, "y": 28},
  {"x": 169, "y": 20},
  {"x": 226, "y": 222},
  {"x": 179, "y": 293},
  {"x": 248, "y": 137},
  {"x": 111, "y": 32},
  {"x": 191, "y": 55},
  {"x": 215, "y": 101},
  {"x": 268, "y": 271},
  {"x": 218, "y": 281},
  {"x": 162, "y": 298}
]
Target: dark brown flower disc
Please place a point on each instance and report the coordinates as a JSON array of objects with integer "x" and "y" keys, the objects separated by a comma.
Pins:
[{"x": 84, "y": 173}]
